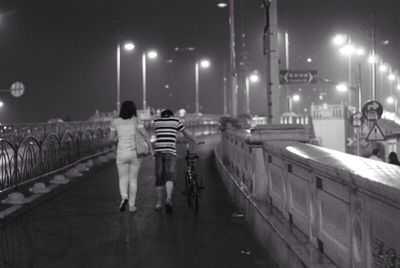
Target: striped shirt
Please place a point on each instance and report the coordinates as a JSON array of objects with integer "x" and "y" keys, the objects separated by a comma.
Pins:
[{"x": 166, "y": 130}]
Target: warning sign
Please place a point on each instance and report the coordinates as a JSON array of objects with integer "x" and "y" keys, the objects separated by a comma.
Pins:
[{"x": 375, "y": 134}]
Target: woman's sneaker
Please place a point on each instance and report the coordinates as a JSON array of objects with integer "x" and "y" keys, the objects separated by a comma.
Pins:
[
  {"x": 132, "y": 209},
  {"x": 123, "y": 205}
]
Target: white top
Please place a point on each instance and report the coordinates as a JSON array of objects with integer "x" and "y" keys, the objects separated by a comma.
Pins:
[
  {"x": 374, "y": 157},
  {"x": 126, "y": 130}
]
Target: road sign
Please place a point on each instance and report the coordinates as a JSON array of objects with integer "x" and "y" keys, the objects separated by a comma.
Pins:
[
  {"x": 350, "y": 141},
  {"x": 375, "y": 134},
  {"x": 356, "y": 119},
  {"x": 372, "y": 110},
  {"x": 298, "y": 77},
  {"x": 17, "y": 89}
]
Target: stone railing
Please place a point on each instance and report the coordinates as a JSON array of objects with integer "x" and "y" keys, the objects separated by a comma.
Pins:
[{"x": 312, "y": 206}]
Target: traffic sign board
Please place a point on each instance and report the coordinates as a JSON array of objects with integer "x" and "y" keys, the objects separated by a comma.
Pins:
[
  {"x": 375, "y": 134},
  {"x": 17, "y": 89},
  {"x": 372, "y": 110},
  {"x": 298, "y": 76},
  {"x": 356, "y": 119}
]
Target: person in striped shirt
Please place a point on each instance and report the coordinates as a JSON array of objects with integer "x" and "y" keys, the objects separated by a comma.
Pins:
[{"x": 166, "y": 129}]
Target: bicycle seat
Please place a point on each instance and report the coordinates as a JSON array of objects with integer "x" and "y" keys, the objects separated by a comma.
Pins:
[{"x": 192, "y": 157}]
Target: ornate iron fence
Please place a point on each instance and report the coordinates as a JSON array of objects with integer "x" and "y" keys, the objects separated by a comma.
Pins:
[{"x": 30, "y": 151}]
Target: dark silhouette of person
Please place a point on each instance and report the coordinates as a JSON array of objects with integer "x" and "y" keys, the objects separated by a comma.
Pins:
[{"x": 393, "y": 159}]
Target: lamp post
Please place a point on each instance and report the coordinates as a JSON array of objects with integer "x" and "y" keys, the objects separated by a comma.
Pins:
[
  {"x": 203, "y": 64},
  {"x": 151, "y": 54},
  {"x": 127, "y": 46},
  {"x": 254, "y": 79},
  {"x": 291, "y": 99}
]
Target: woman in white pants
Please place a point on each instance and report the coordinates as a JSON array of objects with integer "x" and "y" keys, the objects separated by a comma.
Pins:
[{"x": 128, "y": 163}]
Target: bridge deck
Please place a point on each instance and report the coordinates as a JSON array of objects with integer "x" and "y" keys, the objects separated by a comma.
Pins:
[{"x": 82, "y": 227}]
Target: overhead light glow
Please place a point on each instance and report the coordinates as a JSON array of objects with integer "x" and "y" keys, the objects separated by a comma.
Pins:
[
  {"x": 347, "y": 49},
  {"x": 373, "y": 59},
  {"x": 152, "y": 54},
  {"x": 390, "y": 100},
  {"x": 205, "y": 63},
  {"x": 398, "y": 86},
  {"x": 391, "y": 77},
  {"x": 129, "y": 46},
  {"x": 222, "y": 5},
  {"x": 1, "y": 104},
  {"x": 309, "y": 60},
  {"x": 383, "y": 68},
  {"x": 339, "y": 39},
  {"x": 342, "y": 87},
  {"x": 254, "y": 78},
  {"x": 296, "y": 98},
  {"x": 360, "y": 51}
]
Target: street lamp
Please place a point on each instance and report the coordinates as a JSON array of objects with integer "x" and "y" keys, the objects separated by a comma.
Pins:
[
  {"x": 151, "y": 54},
  {"x": 203, "y": 63},
  {"x": 129, "y": 46},
  {"x": 253, "y": 78}
]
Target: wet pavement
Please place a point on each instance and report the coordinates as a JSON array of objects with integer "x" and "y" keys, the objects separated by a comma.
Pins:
[{"x": 82, "y": 227}]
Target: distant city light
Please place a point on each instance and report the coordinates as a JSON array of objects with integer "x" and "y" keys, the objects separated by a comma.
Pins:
[
  {"x": 342, "y": 87},
  {"x": 391, "y": 77},
  {"x": 383, "y": 68},
  {"x": 254, "y": 78},
  {"x": 295, "y": 98},
  {"x": 339, "y": 39},
  {"x": 360, "y": 51},
  {"x": 222, "y": 5},
  {"x": 390, "y": 100},
  {"x": 309, "y": 60},
  {"x": 129, "y": 46},
  {"x": 373, "y": 59},
  {"x": 152, "y": 54},
  {"x": 205, "y": 63},
  {"x": 347, "y": 49}
]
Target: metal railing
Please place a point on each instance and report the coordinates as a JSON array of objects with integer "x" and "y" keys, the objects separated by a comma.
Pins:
[{"x": 28, "y": 152}]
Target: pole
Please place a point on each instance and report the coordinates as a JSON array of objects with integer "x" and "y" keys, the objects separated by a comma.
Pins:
[
  {"x": 197, "y": 87},
  {"x": 118, "y": 76},
  {"x": 290, "y": 103},
  {"x": 373, "y": 55},
  {"x": 247, "y": 95},
  {"x": 225, "y": 79},
  {"x": 144, "y": 79},
  {"x": 287, "y": 65},
  {"x": 233, "y": 58}
]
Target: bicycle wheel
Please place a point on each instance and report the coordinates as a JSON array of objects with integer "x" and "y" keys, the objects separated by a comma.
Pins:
[
  {"x": 196, "y": 193},
  {"x": 189, "y": 190}
]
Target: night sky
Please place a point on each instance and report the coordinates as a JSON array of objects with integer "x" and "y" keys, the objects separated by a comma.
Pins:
[{"x": 65, "y": 51}]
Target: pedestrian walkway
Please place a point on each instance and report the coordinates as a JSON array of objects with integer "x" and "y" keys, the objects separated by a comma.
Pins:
[{"x": 82, "y": 227}]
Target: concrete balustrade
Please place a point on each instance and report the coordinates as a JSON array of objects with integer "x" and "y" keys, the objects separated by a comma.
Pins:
[{"x": 311, "y": 206}]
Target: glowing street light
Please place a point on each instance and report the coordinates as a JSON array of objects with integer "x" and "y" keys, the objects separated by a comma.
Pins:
[
  {"x": 373, "y": 59},
  {"x": 398, "y": 87},
  {"x": 291, "y": 99},
  {"x": 390, "y": 100},
  {"x": 342, "y": 87},
  {"x": 204, "y": 63},
  {"x": 339, "y": 39},
  {"x": 129, "y": 46},
  {"x": 360, "y": 51},
  {"x": 1, "y": 104},
  {"x": 254, "y": 78},
  {"x": 296, "y": 97},
  {"x": 383, "y": 68},
  {"x": 222, "y": 5},
  {"x": 391, "y": 77},
  {"x": 348, "y": 49},
  {"x": 151, "y": 54}
]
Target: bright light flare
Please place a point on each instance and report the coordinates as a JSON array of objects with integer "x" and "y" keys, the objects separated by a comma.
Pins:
[
  {"x": 129, "y": 46},
  {"x": 342, "y": 87},
  {"x": 360, "y": 51},
  {"x": 205, "y": 63},
  {"x": 309, "y": 60},
  {"x": 390, "y": 100},
  {"x": 222, "y": 5},
  {"x": 383, "y": 68},
  {"x": 391, "y": 77},
  {"x": 339, "y": 39},
  {"x": 373, "y": 59},
  {"x": 398, "y": 87},
  {"x": 254, "y": 78},
  {"x": 1, "y": 104},
  {"x": 152, "y": 54},
  {"x": 347, "y": 49},
  {"x": 296, "y": 98}
]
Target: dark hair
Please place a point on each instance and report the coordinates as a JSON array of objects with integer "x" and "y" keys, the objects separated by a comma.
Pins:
[
  {"x": 128, "y": 110},
  {"x": 167, "y": 113},
  {"x": 375, "y": 151},
  {"x": 393, "y": 158}
]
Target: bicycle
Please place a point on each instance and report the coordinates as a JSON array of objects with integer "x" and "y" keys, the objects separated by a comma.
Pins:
[{"x": 193, "y": 180}]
